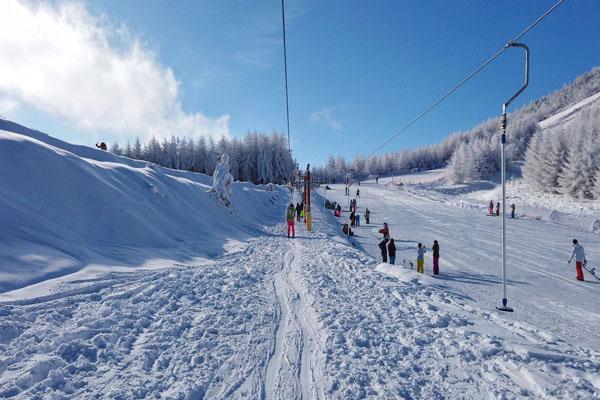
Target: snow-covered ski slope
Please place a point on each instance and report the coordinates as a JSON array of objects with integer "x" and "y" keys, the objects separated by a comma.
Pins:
[
  {"x": 569, "y": 113},
  {"x": 542, "y": 286},
  {"x": 316, "y": 317},
  {"x": 64, "y": 208}
]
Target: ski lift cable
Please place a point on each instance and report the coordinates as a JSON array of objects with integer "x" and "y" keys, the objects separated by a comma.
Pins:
[
  {"x": 287, "y": 106},
  {"x": 467, "y": 78}
]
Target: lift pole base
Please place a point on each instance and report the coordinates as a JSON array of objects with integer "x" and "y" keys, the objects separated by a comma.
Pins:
[{"x": 504, "y": 306}]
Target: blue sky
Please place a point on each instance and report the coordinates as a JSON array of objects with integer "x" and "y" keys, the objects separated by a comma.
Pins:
[{"x": 358, "y": 71}]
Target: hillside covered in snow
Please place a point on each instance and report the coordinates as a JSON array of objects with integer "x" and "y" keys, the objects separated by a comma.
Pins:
[
  {"x": 66, "y": 208},
  {"x": 572, "y": 112}
]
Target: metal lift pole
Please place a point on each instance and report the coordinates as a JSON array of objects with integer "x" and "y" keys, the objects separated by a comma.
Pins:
[{"x": 504, "y": 306}]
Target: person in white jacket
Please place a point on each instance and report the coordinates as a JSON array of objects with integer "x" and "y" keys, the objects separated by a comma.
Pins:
[{"x": 580, "y": 261}]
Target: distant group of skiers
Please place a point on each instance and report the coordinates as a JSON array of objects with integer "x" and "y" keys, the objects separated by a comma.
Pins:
[
  {"x": 347, "y": 193},
  {"x": 497, "y": 213},
  {"x": 388, "y": 250},
  {"x": 388, "y": 246}
]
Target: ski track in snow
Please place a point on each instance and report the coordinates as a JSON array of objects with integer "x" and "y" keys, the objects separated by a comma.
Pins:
[
  {"x": 308, "y": 318},
  {"x": 293, "y": 370}
]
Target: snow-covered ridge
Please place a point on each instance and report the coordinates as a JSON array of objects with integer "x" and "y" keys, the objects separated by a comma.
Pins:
[
  {"x": 569, "y": 113},
  {"x": 65, "y": 207}
]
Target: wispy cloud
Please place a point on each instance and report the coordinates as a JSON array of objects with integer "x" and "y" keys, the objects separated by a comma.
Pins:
[
  {"x": 326, "y": 116},
  {"x": 258, "y": 40},
  {"x": 60, "y": 59}
]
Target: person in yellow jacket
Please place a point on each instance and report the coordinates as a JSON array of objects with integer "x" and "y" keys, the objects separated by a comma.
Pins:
[{"x": 421, "y": 258}]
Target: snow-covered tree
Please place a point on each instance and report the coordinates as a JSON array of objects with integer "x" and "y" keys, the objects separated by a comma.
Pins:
[
  {"x": 222, "y": 181},
  {"x": 116, "y": 149}
]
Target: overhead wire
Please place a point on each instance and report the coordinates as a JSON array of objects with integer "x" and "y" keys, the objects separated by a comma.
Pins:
[
  {"x": 467, "y": 78},
  {"x": 287, "y": 106}
]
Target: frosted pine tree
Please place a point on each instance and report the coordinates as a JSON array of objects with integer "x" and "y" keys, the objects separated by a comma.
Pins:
[
  {"x": 533, "y": 163},
  {"x": 553, "y": 162},
  {"x": 572, "y": 181},
  {"x": 222, "y": 181},
  {"x": 264, "y": 161}
]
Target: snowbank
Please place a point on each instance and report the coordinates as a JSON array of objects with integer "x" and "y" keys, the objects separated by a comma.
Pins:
[{"x": 65, "y": 207}]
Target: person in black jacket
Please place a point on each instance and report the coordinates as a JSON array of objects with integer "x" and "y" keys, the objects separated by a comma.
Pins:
[
  {"x": 392, "y": 251},
  {"x": 383, "y": 248},
  {"x": 436, "y": 257}
]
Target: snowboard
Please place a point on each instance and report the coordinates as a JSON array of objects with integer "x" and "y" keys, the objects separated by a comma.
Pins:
[{"x": 591, "y": 271}]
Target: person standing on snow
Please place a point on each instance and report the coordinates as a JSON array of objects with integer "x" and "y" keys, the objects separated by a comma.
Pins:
[
  {"x": 497, "y": 209},
  {"x": 357, "y": 192},
  {"x": 368, "y": 216},
  {"x": 421, "y": 258},
  {"x": 384, "y": 250},
  {"x": 290, "y": 220},
  {"x": 391, "y": 247},
  {"x": 298, "y": 212},
  {"x": 436, "y": 257},
  {"x": 512, "y": 210},
  {"x": 491, "y": 208},
  {"x": 352, "y": 219},
  {"x": 580, "y": 260},
  {"x": 338, "y": 211},
  {"x": 385, "y": 231}
]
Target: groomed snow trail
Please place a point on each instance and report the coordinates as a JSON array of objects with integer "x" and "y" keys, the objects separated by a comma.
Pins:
[{"x": 294, "y": 371}]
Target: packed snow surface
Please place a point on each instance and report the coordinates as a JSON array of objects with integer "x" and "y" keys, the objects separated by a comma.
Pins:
[{"x": 246, "y": 313}]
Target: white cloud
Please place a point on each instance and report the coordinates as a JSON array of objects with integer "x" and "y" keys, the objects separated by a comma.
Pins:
[
  {"x": 7, "y": 106},
  {"x": 326, "y": 117},
  {"x": 67, "y": 63}
]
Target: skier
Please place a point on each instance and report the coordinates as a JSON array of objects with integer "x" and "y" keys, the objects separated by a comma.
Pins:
[
  {"x": 357, "y": 219},
  {"x": 392, "y": 251},
  {"x": 580, "y": 260},
  {"x": 491, "y": 208},
  {"x": 497, "y": 209},
  {"x": 352, "y": 219},
  {"x": 385, "y": 231},
  {"x": 436, "y": 257},
  {"x": 357, "y": 192},
  {"x": 367, "y": 215},
  {"x": 298, "y": 212},
  {"x": 512, "y": 210},
  {"x": 377, "y": 180},
  {"x": 102, "y": 146},
  {"x": 383, "y": 248},
  {"x": 290, "y": 220},
  {"x": 421, "y": 258}
]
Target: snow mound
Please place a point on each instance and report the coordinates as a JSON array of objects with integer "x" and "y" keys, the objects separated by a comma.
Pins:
[{"x": 65, "y": 207}]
